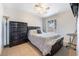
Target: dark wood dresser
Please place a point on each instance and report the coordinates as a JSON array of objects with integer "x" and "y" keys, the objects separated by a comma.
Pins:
[{"x": 17, "y": 33}]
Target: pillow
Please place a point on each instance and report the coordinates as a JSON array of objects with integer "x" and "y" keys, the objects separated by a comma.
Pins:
[
  {"x": 33, "y": 31},
  {"x": 39, "y": 31}
]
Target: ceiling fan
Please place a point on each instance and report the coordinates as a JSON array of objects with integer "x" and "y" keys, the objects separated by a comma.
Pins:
[{"x": 41, "y": 8}]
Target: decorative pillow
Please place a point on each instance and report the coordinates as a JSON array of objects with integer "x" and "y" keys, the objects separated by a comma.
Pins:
[{"x": 39, "y": 31}]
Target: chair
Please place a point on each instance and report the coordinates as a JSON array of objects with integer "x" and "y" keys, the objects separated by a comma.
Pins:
[{"x": 73, "y": 37}]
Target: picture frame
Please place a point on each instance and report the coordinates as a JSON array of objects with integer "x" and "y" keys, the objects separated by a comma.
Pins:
[{"x": 52, "y": 25}]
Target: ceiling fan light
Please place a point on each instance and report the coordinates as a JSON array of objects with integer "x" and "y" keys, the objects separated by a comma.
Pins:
[{"x": 41, "y": 8}]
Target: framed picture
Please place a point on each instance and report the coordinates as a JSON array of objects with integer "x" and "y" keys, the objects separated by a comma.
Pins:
[{"x": 52, "y": 23}]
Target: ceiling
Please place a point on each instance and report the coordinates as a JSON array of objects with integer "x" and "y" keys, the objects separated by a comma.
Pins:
[{"x": 55, "y": 8}]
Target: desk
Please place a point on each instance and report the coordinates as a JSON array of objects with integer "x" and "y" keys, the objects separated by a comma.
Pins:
[{"x": 72, "y": 37}]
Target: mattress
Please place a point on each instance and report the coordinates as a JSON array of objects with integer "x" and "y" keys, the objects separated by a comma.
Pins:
[{"x": 44, "y": 41}]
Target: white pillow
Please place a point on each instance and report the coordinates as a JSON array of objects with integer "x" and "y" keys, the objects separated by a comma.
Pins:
[{"x": 33, "y": 31}]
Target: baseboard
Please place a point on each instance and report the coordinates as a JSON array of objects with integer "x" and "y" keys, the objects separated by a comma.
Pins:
[{"x": 6, "y": 45}]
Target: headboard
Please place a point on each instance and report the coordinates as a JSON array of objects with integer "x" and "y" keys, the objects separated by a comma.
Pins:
[{"x": 33, "y": 27}]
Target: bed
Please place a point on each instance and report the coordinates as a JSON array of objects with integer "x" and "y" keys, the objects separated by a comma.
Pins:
[{"x": 44, "y": 41}]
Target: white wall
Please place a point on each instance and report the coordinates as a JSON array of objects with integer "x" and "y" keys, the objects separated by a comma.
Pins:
[
  {"x": 65, "y": 22},
  {"x": 1, "y": 15},
  {"x": 18, "y": 15}
]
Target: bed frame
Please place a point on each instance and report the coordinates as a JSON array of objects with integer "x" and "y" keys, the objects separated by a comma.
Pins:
[
  {"x": 55, "y": 48},
  {"x": 58, "y": 45}
]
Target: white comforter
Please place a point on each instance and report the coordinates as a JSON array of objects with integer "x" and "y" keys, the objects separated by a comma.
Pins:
[{"x": 44, "y": 41}]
